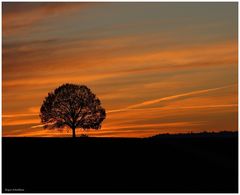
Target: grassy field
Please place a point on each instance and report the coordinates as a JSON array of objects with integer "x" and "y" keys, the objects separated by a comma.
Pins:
[{"x": 164, "y": 163}]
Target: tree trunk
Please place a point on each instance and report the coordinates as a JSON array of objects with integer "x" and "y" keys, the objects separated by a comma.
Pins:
[{"x": 74, "y": 133}]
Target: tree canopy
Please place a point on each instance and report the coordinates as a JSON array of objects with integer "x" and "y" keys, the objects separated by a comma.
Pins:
[{"x": 73, "y": 106}]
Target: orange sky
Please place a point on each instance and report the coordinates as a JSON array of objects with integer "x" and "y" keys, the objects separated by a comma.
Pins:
[{"x": 157, "y": 67}]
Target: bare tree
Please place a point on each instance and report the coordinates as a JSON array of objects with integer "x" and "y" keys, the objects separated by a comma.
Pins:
[{"x": 73, "y": 106}]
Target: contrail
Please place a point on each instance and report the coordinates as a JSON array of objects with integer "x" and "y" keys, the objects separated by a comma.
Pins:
[
  {"x": 150, "y": 102},
  {"x": 36, "y": 126}
]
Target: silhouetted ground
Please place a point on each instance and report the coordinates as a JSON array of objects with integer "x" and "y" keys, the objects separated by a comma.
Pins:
[{"x": 166, "y": 163}]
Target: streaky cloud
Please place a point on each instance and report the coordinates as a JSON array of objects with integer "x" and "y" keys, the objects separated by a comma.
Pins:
[{"x": 18, "y": 115}]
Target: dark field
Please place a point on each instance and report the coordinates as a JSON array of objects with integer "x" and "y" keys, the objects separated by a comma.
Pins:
[{"x": 167, "y": 163}]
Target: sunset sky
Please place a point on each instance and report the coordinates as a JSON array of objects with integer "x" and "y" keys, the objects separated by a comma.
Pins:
[{"x": 156, "y": 67}]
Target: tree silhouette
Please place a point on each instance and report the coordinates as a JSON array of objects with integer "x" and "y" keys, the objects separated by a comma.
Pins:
[{"x": 73, "y": 106}]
